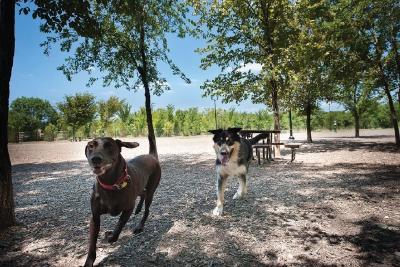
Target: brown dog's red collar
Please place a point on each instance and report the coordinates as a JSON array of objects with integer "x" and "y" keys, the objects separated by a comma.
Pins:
[{"x": 121, "y": 182}]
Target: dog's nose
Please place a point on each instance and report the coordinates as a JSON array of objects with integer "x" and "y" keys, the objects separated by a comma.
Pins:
[
  {"x": 96, "y": 160},
  {"x": 223, "y": 153}
]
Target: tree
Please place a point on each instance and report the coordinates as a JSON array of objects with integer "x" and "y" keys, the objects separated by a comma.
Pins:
[
  {"x": 307, "y": 77},
  {"x": 31, "y": 113},
  {"x": 7, "y": 44},
  {"x": 365, "y": 28},
  {"x": 125, "y": 40},
  {"x": 108, "y": 110},
  {"x": 126, "y": 119},
  {"x": 242, "y": 34},
  {"x": 350, "y": 68},
  {"x": 77, "y": 110},
  {"x": 124, "y": 112},
  {"x": 377, "y": 21}
]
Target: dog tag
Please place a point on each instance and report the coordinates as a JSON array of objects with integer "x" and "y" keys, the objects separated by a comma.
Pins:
[{"x": 123, "y": 185}]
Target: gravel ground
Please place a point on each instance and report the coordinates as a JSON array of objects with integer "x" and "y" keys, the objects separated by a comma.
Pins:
[{"x": 336, "y": 205}]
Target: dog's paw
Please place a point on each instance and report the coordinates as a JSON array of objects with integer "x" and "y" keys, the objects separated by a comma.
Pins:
[
  {"x": 238, "y": 195},
  {"x": 110, "y": 237},
  {"x": 217, "y": 211}
]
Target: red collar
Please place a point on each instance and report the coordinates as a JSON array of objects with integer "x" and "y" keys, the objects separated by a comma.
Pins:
[{"x": 121, "y": 182}]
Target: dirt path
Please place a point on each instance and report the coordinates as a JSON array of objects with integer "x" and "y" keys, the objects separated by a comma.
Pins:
[{"x": 337, "y": 204}]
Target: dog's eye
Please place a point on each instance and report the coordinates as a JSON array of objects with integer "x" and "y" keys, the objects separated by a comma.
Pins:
[
  {"x": 90, "y": 146},
  {"x": 107, "y": 145},
  {"x": 220, "y": 141}
]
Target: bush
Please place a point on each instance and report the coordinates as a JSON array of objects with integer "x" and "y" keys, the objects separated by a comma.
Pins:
[
  {"x": 50, "y": 132},
  {"x": 168, "y": 128}
]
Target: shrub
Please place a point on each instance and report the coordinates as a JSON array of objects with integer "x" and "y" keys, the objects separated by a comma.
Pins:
[{"x": 50, "y": 132}]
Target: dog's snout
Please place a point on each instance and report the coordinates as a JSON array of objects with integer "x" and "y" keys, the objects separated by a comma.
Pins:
[
  {"x": 223, "y": 153},
  {"x": 96, "y": 160}
]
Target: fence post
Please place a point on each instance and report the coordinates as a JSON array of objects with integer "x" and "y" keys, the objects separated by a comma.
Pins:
[{"x": 20, "y": 137}]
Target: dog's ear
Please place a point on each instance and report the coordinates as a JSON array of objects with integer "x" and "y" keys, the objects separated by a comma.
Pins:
[
  {"x": 234, "y": 130},
  {"x": 217, "y": 131},
  {"x": 90, "y": 144},
  {"x": 126, "y": 144}
]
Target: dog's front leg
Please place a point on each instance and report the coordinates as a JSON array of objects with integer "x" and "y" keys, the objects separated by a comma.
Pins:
[
  {"x": 93, "y": 233},
  {"x": 113, "y": 236},
  {"x": 242, "y": 190},
  {"x": 221, "y": 182}
]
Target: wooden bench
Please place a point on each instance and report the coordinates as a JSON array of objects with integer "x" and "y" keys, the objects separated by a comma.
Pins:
[
  {"x": 293, "y": 147},
  {"x": 266, "y": 149}
]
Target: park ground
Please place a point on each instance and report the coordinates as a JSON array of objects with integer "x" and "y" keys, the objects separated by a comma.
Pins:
[{"x": 337, "y": 204}]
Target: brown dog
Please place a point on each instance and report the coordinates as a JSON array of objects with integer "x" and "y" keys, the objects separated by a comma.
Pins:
[{"x": 117, "y": 186}]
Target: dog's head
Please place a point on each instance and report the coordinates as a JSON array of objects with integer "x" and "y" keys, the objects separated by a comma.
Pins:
[
  {"x": 225, "y": 142},
  {"x": 101, "y": 153}
]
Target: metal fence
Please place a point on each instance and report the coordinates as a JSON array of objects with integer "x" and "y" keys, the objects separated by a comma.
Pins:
[{"x": 19, "y": 137}]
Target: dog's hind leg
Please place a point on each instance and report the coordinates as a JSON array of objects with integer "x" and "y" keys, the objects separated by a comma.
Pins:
[
  {"x": 139, "y": 205},
  {"x": 147, "y": 202},
  {"x": 221, "y": 182},
  {"x": 113, "y": 236},
  {"x": 148, "y": 198},
  {"x": 242, "y": 190}
]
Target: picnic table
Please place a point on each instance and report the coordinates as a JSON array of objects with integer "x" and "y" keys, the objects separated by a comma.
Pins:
[
  {"x": 269, "y": 145},
  {"x": 293, "y": 147}
]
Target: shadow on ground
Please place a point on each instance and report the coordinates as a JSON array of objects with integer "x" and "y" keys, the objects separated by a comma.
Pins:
[
  {"x": 365, "y": 144},
  {"x": 296, "y": 214}
]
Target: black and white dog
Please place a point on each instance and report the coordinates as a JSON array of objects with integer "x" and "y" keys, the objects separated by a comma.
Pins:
[{"x": 233, "y": 159}]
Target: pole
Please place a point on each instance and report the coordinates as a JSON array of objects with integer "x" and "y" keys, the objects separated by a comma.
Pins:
[
  {"x": 291, "y": 137},
  {"x": 215, "y": 111}
]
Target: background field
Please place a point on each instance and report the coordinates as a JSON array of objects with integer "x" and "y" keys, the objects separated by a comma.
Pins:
[{"x": 337, "y": 204}]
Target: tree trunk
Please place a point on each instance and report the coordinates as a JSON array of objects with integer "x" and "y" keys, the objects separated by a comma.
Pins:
[
  {"x": 393, "y": 114},
  {"x": 73, "y": 134},
  {"x": 268, "y": 38},
  {"x": 398, "y": 97},
  {"x": 356, "y": 123},
  {"x": 150, "y": 128},
  {"x": 7, "y": 44},
  {"x": 308, "y": 122},
  {"x": 386, "y": 87},
  {"x": 277, "y": 123},
  {"x": 143, "y": 74},
  {"x": 393, "y": 41}
]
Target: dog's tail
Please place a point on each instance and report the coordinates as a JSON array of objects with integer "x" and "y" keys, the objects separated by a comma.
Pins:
[
  {"x": 153, "y": 147},
  {"x": 257, "y": 138}
]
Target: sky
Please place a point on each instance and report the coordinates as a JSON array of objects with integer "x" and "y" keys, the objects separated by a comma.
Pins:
[{"x": 36, "y": 75}]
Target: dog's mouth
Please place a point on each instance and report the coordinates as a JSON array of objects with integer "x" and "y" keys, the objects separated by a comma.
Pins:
[
  {"x": 97, "y": 170},
  {"x": 101, "y": 169},
  {"x": 224, "y": 159}
]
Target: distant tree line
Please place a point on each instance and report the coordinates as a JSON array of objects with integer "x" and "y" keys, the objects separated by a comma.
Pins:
[{"x": 81, "y": 116}]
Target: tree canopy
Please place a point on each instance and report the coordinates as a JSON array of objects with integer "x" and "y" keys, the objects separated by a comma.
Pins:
[
  {"x": 365, "y": 35},
  {"x": 122, "y": 41},
  {"x": 242, "y": 34},
  {"x": 77, "y": 110},
  {"x": 31, "y": 113}
]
